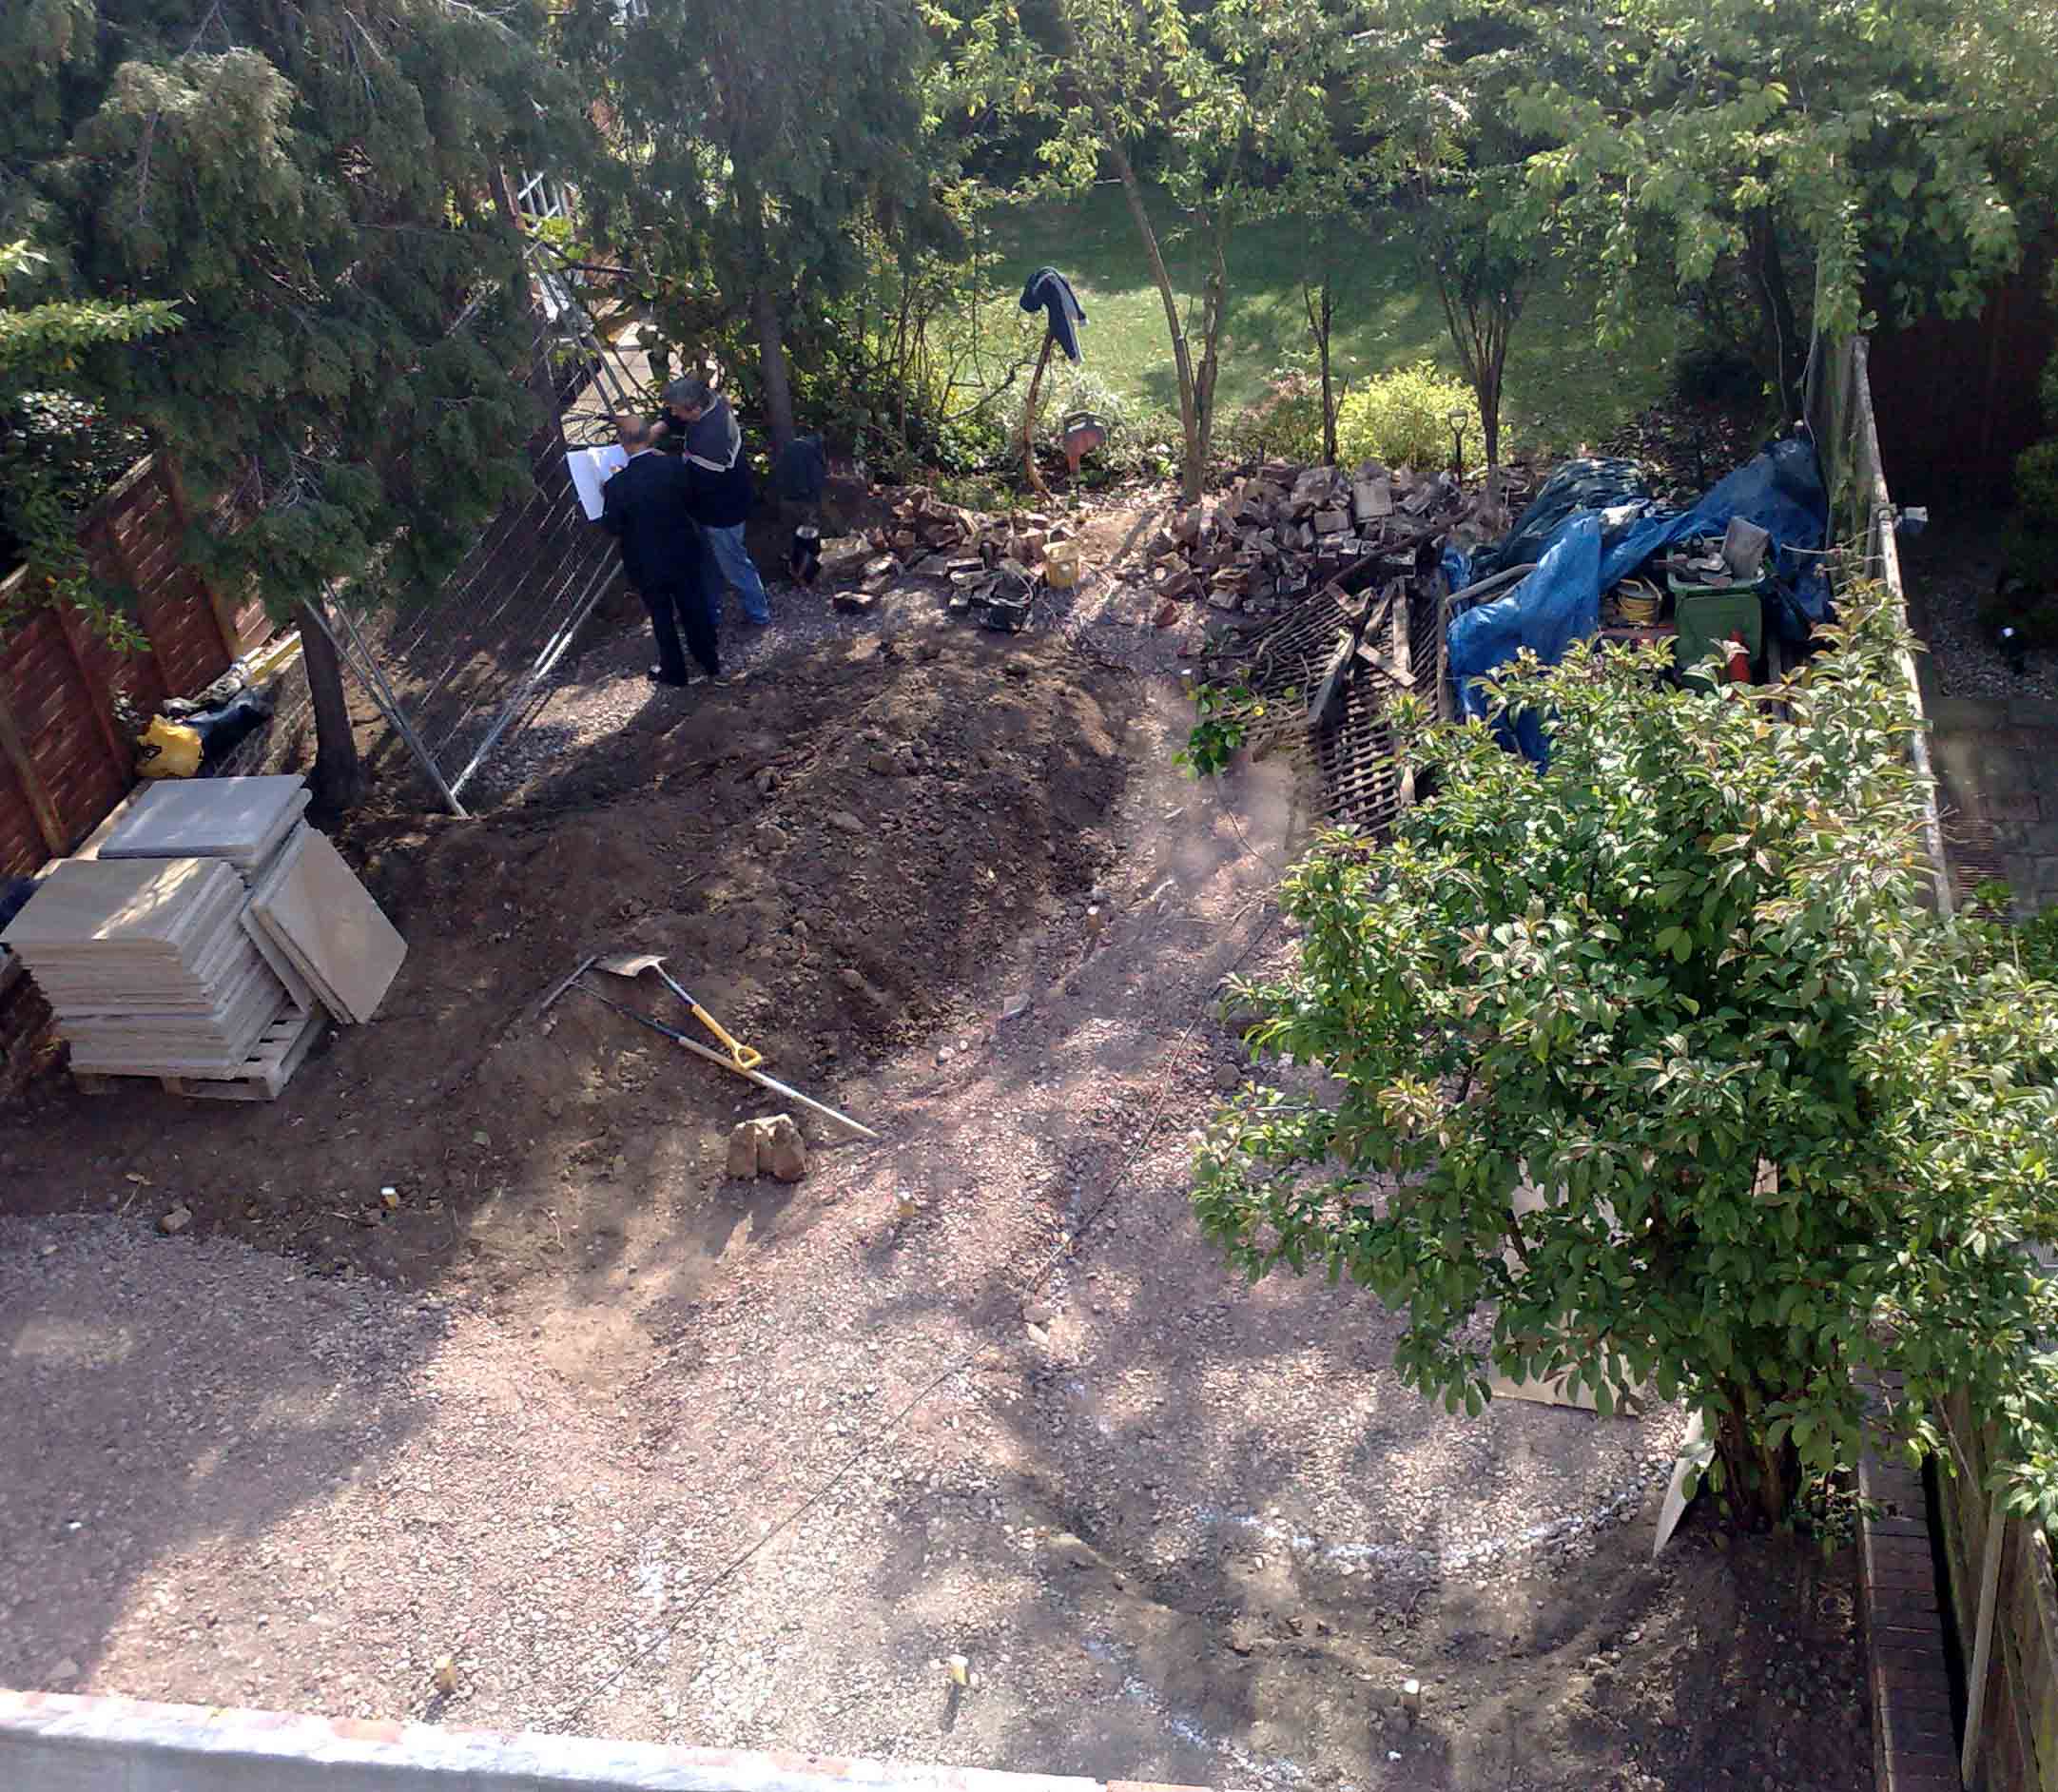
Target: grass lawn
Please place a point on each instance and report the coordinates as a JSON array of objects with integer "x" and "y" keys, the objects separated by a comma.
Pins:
[{"x": 1561, "y": 390}]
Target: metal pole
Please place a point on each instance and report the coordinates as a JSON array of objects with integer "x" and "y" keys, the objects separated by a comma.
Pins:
[
  {"x": 554, "y": 650},
  {"x": 382, "y": 697}
]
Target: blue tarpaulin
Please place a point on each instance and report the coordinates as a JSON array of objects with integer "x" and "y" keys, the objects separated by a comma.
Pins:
[
  {"x": 1782, "y": 493},
  {"x": 1557, "y": 604},
  {"x": 1616, "y": 488},
  {"x": 1590, "y": 550}
]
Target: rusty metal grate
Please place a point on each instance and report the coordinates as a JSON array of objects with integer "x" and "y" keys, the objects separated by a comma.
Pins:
[
  {"x": 1341, "y": 725},
  {"x": 1359, "y": 786}
]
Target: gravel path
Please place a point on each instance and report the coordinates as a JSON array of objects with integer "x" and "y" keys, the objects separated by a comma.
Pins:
[{"x": 980, "y": 1391}]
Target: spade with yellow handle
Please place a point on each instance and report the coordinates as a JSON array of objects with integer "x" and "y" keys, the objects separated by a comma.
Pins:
[
  {"x": 740, "y": 1058},
  {"x": 632, "y": 965}
]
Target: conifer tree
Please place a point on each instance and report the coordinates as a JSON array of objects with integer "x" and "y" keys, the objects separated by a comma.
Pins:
[{"x": 311, "y": 187}]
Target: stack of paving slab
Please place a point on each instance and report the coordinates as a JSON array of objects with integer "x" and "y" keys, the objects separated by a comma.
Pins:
[
  {"x": 148, "y": 966},
  {"x": 243, "y": 821},
  {"x": 205, "y": 939}
]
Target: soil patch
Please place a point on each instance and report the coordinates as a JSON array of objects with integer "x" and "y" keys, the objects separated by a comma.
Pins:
[
  {"x": 667, "y": 1457},
  {"x": 835, "y": 857}
]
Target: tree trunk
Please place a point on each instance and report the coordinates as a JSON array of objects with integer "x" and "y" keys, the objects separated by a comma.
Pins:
[
  {"x": 1759, "y": 1483},
  {"x": 1214, "y": 309},
  {"x": 1029, "y": 418},
  {"x": 1489, "y": 405},
  {"x": 1182, "y": 361},
  {"x": 337, "y": 779},
  {"x": 1196, "y": 462},
  {"x": 1320, "y": 304},
  {"x": 1768, "y": 267},
  {"x": 771, "y": 343}
]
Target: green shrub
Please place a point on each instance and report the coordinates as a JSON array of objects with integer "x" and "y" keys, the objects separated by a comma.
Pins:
[
  {"x": 2036, "y": 485},
  {"x": 2027, "y": 596},
  {"x": 1284, "y": 424},
  {"x": 2032, "y": 943},
  {"x": 1712, "y": 372},
  {"x": 1403, "y": 417},
  {"x": 1141, "y": 436}
]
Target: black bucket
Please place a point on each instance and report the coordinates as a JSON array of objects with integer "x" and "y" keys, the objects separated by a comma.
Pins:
[{"x": 803, "y": 559}]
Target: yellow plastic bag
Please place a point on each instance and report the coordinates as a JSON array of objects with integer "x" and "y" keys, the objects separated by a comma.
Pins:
[{"x": 168, "y": 749}]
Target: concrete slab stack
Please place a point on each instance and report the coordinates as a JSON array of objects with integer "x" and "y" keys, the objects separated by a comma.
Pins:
[{"x": 148, "y": 966}]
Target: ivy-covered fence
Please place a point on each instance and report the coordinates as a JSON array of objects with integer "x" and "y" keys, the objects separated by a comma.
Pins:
[
  {"x": 1994, "y": 1719},
  {"x": 65, "y": 762}
]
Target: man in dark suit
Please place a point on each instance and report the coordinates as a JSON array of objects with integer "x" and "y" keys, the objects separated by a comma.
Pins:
[{"x": 648, "y": 507}]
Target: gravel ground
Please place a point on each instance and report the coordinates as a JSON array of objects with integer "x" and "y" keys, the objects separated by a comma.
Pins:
[
  {"x": 978, "y": 1389},
  {"x": 1950, "y": 570}
]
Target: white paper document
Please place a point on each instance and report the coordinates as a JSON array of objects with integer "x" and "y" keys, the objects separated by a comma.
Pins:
[{"x": 591, "y": 469}]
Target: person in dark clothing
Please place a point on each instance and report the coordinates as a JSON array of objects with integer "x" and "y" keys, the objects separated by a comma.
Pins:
[
  {"x": 648, "y": 507},
  {"x": 711, "y": 449}
]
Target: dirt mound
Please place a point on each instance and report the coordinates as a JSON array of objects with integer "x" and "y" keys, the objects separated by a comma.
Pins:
[
  {"x": 827, "y": 856},
  {"x": 835, "y": 857}
]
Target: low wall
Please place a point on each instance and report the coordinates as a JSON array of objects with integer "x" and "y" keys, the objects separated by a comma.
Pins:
[{"x": 55, "y": 1742}]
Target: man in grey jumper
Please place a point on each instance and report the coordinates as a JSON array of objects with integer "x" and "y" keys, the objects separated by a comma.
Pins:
[{"x": 699, "y": 419}]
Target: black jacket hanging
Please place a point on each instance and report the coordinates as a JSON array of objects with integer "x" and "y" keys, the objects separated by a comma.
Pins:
[{"x": 1049, "y": 290}]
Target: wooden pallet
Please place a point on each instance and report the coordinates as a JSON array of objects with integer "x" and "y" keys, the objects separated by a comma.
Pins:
[{"x": 262, "y": 1078}]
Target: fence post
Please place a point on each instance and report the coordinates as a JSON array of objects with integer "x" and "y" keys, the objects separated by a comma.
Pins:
[
  {"x": 1975, "y": 1680},
  {"x": 40, "y": 803},
  {"x": 96, "y": 690},
  {"x": 366, "y": 664},
  {"x": 218, "y": 603}
]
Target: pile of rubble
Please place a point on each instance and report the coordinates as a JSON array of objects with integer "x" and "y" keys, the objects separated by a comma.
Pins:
[
  {"x": 980, "y": 556},
  {"x": 1278, "y": 535},
  {"x": 1286, "y": 530}
]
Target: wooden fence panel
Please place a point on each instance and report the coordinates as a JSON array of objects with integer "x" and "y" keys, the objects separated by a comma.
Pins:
[
  {"x": 136, "y": 537},
  {"x": 64, "y": 760},
  {"x": 51, "y": 707},
  {"x": 23, "y": 844}
]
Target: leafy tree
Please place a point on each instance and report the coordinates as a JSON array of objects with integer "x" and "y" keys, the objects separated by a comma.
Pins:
[
  {"x": 1329, "y": 187},
  {"x": 310, "y": 185},
  {"x": 1483, "y": 252},
  {"x": 1481, "y": 235},
  {"x": 1785, "y": 1125},
  {"x": 1814, "y": 152},
  {"x": 1224, "y": 96},
  {"x": 41, "y": 343},
  {"x": 754, "y": 144}
]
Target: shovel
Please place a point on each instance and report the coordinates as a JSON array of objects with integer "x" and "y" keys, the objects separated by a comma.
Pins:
[
  {"x": 632, "y": 965},
  {"x": 714, "y": 1057}
]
